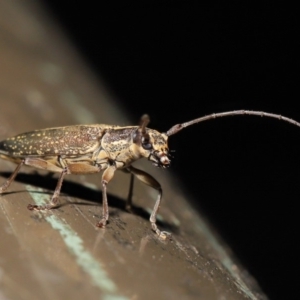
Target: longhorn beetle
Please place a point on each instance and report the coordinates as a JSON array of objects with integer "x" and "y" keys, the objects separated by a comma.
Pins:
[{"x": 87, "y": 149}]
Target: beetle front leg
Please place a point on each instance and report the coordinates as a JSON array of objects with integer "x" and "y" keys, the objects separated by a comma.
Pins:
[
  {"x": 54, "y": 200},
  {"x": 108, "y": 174},
  {"x": 151, "y": 181}
]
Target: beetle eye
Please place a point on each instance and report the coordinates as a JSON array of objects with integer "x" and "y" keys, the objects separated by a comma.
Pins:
[{"x": 146, "y": 144}]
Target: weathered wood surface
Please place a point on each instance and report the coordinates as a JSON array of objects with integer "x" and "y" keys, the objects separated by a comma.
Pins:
[{"x": 61, "y": 254}]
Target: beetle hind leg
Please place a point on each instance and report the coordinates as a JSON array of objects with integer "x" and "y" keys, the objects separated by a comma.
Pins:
[
  {"x": 7, "y": 183},
  {"x": 54, "y": 202}
]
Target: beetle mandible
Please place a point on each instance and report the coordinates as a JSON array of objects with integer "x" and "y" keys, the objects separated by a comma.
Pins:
[{"x": 87, "y": 149}]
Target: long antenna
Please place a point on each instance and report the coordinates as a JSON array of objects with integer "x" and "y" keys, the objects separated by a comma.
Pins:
[{"x": 176, "y": 128}]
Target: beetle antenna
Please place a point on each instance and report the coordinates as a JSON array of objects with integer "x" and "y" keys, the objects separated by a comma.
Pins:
[
  {"x": 145, "y": 120},
  {"x": 176, "y": 128}
]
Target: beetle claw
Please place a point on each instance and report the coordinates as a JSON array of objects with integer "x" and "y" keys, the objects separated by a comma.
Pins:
[
  {"x": 101, "y": 223},
  {"x": 32, "y": 207}
]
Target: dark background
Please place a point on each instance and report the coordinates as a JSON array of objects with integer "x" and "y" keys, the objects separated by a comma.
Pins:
[{"x": 178, "y": 60}]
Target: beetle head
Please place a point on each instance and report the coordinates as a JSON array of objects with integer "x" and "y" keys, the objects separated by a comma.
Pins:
[{"x": 152, "y": 144}]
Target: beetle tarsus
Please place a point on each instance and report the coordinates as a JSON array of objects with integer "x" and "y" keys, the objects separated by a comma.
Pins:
[
  {"x": 102, "y": 223},
  {"x": 163, "y": 235},
  {"x": 31, "y": 206},
  {"x": 39, "y": 207}
]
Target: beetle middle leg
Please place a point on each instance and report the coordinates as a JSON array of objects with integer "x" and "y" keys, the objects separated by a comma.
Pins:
[
  {"x": 106, "y": 177},
  {"x": 151, "y": 181},
  {"x": 130, "y": 193},
  {"x": 128, "y": 205}
]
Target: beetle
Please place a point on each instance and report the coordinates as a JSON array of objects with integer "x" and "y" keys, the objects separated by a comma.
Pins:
[{"x": 88, "y": 149}]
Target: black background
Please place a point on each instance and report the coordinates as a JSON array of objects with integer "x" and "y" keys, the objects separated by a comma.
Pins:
[{"x": 178, "y": 60}]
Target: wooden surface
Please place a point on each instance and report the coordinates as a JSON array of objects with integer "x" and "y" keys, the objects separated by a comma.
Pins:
[{"x": 61, "y": 254}]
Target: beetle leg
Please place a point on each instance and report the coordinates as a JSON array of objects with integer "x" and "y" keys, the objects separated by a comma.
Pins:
[
  {"x": 108, "y": 174},
  {"x": 7, "y": 183},
  {"x": 82, "y": 168},
  {"x": 44, "y": 164},
  {"x": 128, "y": 205},
  {"x": 151, "y": 181},
  {"x": 129, "y": 197},
  {"x": 54, "y": 200}
]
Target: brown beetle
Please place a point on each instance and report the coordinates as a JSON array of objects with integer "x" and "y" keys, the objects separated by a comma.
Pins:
[{"x": 86, "y": 149}]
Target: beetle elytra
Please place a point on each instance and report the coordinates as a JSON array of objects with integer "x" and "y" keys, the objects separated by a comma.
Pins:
[{"x": 87, "y": 149}]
